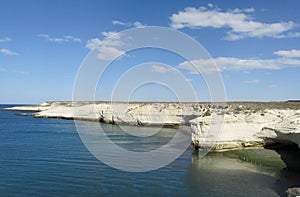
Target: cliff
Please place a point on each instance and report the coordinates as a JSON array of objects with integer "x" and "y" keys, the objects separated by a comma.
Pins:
[
  {"x": 226, "y": 126},
  {"x": 169, "y": 114},
  {"x": 248, "y": 128}
]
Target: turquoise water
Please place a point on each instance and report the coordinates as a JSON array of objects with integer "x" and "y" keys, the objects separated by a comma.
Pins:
[{"x": 45, "y": 157}]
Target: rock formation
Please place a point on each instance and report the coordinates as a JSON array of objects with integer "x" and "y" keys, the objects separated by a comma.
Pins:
[
  {"x": 223, "y": 126},
  {"x": 247, "y": 128}
]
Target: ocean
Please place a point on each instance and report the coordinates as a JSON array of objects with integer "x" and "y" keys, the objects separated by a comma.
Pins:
[{"x": 46, "y": 157}]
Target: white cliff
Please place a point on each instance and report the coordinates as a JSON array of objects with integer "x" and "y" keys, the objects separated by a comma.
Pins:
[
  {"x": 230, "y": 126},
  {"x": 42, "y": 107},
  {"x": 247, "y": 129},
  {"x": 286, "y": 130},
  {"x": 120, "y": 113}
]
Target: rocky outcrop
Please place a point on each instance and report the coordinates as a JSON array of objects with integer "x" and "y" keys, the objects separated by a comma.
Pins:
[
  {"x": 168, "y": 114},
  {"x": 247, "y": 129},
  {"x": 221, "y": 126},
  {"x": 293, "y": 192},
  {"x": 35, "y": 108},
  {"x": 286, "y": 130}
]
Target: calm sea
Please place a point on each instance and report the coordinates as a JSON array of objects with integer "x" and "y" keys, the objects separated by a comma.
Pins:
[{"x": 45, "y": 157}]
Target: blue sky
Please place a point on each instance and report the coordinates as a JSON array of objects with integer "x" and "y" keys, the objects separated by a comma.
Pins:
[{"x": 256, "y": 45}]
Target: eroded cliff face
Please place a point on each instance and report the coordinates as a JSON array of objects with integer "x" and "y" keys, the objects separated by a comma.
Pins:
[
  {"x": 223, "y": 126},
  {"x": 172, "y": 114},
  {"x": 288, "y": 129},
  {"x": 247, "y": 129}
]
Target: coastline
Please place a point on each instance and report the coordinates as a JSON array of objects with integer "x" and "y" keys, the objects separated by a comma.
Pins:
[{"x": 244, "y": 124}]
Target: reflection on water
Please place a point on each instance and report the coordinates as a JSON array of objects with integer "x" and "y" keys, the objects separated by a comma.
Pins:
[
  {"x": 290, "y": 176},
  {"x": 41, "y": 157},
  {"x": 220, "y": 175},
  {"x": 219, "y": 162}
]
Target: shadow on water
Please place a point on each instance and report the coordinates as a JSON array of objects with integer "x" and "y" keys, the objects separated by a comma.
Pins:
[
  {"x": 290, "y": 155},
  {"x": 218, "y": 174}
]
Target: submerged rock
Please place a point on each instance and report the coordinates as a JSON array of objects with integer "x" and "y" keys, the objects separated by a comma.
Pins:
[{"x": 293, "y": 192}]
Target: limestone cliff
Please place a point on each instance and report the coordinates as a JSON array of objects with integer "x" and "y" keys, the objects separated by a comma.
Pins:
[
  {"x": 226, "y": 126},
  {"x": 247, "y": 128},
  {"x": 121, "y": 113}
]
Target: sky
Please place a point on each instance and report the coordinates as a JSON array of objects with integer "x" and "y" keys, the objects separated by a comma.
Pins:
[{"x": 255, "y": 45}]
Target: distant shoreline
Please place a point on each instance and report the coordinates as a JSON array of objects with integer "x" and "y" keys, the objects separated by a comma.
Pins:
[{"x": 267, "y": 104}]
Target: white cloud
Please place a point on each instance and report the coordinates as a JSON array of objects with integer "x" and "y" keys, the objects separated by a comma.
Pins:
[
  {"x": 239, "y": 22},
  {"x": 247, "y": 10},
  {"x": 112, "y": 39},
  {"x": 116, "y": 22},
  {"x": 200, "y": 65},
  {"x": 92, "y": 43},
  {"x": 160, "y": 69},
  {"x": 8, "y": 52},
  {"x": 59, "y": 40},
  {"x": 220, "y": 64},
  {"x": 254, "y": 81},
  {"x": 210, "y": 5},
  {"x": 289, "y": 35},
  {"x": 288, "y": 61},
  {"x": 136, "y": 24},
  {"x": 291, "y": 53},
  {"x": 114, "y": 34},
  {"x": 109, "y": 53},
  {"x": 7, "y": 39},
  {"x": 72, "y": 39},
  {"x": 107, "y": 48}
]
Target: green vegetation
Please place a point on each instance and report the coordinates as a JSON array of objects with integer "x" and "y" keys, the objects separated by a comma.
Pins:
[{"x": 263, "y": 157}]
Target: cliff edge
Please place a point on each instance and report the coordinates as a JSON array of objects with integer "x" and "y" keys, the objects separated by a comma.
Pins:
[{"x": 225, "y": 125}]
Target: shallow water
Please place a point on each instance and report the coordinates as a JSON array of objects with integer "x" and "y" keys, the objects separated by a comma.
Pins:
[{"x": 45, "y": 157}]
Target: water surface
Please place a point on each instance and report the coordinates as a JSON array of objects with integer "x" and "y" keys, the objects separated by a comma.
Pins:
[{"x": 45, "y": 157}]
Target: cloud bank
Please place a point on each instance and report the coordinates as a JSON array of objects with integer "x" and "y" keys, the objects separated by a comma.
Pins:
[
  {"x": 288, "y": 59},
  {"x": 239, "y": 22}
]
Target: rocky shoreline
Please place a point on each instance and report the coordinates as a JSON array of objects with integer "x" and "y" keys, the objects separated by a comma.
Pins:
[
  {"x": 250, "y": 126},
  {"x": 241, "y": 124},
  {"x": 229, "y": 127}
]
